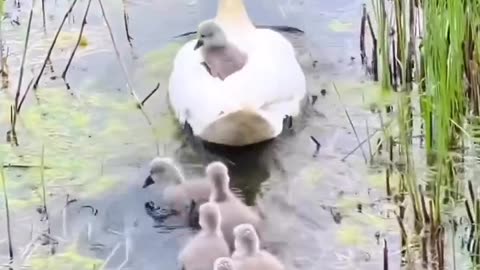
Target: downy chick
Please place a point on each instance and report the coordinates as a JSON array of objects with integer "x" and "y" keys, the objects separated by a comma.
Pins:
[
  {"x": 222, "y": 58},
  {"x": 223, "y": 263},
  {"x": 234, "y": 212},
  {"x": 180, "y": 195},
  {"x": 207, "y": 245},
  {"x": 248, "y": 255}
]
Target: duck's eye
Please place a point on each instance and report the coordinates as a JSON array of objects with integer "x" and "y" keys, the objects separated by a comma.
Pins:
[{"x": 203, "y": 36}]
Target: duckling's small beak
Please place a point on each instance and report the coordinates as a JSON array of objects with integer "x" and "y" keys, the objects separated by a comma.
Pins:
[
  {"x": 198, "y": 45},
  {"x": 148, "y": 181}
]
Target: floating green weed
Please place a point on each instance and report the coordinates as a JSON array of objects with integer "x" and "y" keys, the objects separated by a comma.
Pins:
[
  {"x": 79, "y": 136},
  {"x": 427, "y": 54},
  {"x": 313, "y": 175},
  {"x": 67, "y": 40},
  {"x": 70, "y": 259},
  {"x": 166, "y": 128},
  {"x": 338, "y": 26},
  {"x": 159, "y": 62},
  {"x": 351, "y": 235}
]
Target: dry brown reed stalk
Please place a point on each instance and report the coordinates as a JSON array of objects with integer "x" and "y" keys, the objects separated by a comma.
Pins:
[
  {"x": 359, "y": 145},
  {"x": 385, "y": 254},
  {"x": 373, "y": 68},
  {"x": 403, "y": 233},
  {"x": 151, "y": 93},
  {"x": 17, "y": 106},
  {"x": 127, "y": 77},
  {"x": 44, "y": 198},
  {"x": 79, "y": 39},
  {"x": 43, "y": 16},
  {"x": 7, "y": 214},
  {"x": 52, "y": 45},
  {"x": 126, "y": 20},
  {"x": 363, "y": 51},
  {"x": 351, "y": 123}
]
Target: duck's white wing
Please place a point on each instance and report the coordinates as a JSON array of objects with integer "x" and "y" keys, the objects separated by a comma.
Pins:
[
  {"x": 249, "y": 105},
  {"x": 194, "y": 94},
  {"x": 276, "y": 83}
]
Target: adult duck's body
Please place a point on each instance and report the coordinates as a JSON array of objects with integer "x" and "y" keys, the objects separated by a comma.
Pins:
[{"x": 250, "y": 105}]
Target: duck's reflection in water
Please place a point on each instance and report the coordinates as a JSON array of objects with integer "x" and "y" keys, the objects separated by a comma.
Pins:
[{"x": 248, "y": 166}]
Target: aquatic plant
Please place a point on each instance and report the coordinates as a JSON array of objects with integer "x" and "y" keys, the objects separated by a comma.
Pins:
[
  {"x": 428, "y": 55},
  {"x": 70, "y": 259},
  {"x": 7, "y": 213}
]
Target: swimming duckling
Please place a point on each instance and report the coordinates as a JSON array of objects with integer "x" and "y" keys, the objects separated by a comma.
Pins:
[
  {"x": 222, "y": 58},
  {"x": 248, "y": 255},
  {"x": 234, "y": 212},
  {"x": 183, "y": 196},
  {"x": 223, "y": 263},
  {"x": 207, "y": 245}
]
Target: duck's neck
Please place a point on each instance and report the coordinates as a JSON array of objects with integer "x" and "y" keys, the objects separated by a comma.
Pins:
[
  {"x": 232, "y": 14},
  {"x": 249, "y": 251},
  {"x": 216, "y": 230},
  {"x": 219, "y": 195},
  {"x": 177, "y": 175},
  {"x": 253, "y": 249}
]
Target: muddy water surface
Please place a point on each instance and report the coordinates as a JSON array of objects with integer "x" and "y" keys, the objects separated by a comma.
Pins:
[{"x": 324, "y": 211}]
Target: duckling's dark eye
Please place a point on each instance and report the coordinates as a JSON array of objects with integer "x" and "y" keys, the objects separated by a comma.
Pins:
[{"x": 202, "y": 36}]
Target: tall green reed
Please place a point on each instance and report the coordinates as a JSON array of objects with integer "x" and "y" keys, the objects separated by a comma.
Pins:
[{"x": 429, "y": 56}]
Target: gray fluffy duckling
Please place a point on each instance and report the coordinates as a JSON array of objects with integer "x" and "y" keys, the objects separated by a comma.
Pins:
[
  {"x": 207, "y": 245},
  {"x": 222, "y": 58},
  {"x": 233, "y": 211},
  {"x": 248, "y": 255}
]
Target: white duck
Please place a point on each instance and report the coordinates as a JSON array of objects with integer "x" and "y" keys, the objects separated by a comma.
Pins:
[{"x": 249, "y": 106}]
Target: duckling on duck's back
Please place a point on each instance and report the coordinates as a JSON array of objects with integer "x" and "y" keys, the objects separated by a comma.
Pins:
[{"x": 222, "y": 58}]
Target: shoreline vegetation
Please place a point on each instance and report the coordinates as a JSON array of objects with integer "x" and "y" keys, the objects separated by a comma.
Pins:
[
  {"x": 424, "y": 55},
  {"x": 427, "y": 54}
]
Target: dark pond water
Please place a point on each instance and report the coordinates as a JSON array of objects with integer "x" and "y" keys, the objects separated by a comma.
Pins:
[{"x": 98, "y": 145}]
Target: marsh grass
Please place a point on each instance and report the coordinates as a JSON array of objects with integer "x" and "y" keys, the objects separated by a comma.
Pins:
[
  {"x": 7, "y": 214},
  {"x": 428, "y": 54},
  {"x": 44, "y": 198},
  {"x": 127, "y": 77},
  {"x": 52, "y": 45},
  {"x": 75, "y": 138},
  {"x": 79, "y": 40},
  {"x": 3, "y": 58}
]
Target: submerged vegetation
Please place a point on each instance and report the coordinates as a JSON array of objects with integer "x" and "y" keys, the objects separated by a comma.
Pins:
[
  {"x": 428, "y": 54},
  {"x": 61, "y": 139}
]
